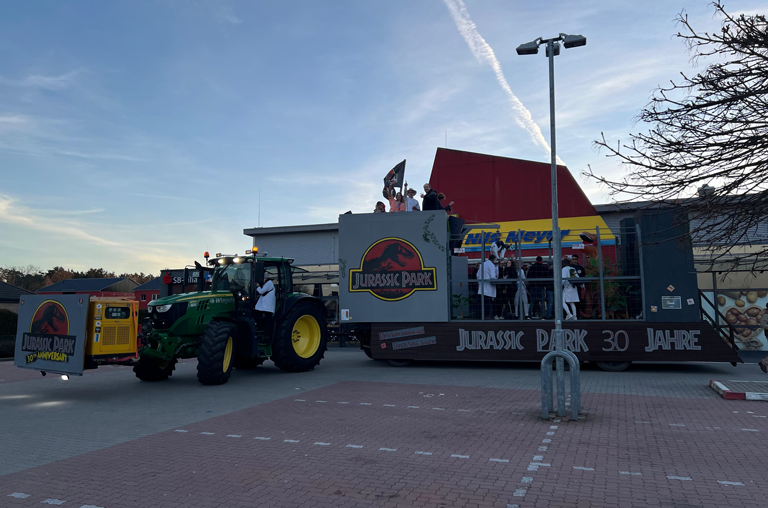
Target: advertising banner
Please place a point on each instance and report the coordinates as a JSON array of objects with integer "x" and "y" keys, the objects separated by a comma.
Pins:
[
  {"x": 598, "y": 341},
  {"x": 51, "y": 333},
  {"x": 393, "y": 268}
]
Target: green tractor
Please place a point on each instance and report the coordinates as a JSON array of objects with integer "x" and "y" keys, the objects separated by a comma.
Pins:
[{"x": 218, "y": 326}]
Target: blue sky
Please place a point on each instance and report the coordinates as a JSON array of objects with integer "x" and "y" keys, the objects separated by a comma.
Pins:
[{"x": 135, "y": 135}]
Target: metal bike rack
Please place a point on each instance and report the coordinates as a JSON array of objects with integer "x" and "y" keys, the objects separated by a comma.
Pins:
[{"x": 547, "y": 397}]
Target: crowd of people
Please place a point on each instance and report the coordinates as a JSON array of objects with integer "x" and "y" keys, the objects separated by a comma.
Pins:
[
  {"x": 431, "y": 200},
  {"x": 525, "y": 297}
]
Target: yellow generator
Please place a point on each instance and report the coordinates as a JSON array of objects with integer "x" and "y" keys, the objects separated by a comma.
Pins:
[{"x": 112, "y": 327}]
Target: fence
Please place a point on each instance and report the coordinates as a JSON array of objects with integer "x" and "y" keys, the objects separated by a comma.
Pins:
[{"x": 610, "y": 285}]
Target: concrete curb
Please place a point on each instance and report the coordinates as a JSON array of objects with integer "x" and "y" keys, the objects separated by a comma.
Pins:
[{"x": 721, "y": 388}]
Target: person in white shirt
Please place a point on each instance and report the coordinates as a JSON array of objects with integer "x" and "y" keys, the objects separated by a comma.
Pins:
[
  {"x": 488, "y": 271},
  {"x": 265, "y": 306},
  {"x": 412, "y": 205},
  {"x": 570, "y": 293}
]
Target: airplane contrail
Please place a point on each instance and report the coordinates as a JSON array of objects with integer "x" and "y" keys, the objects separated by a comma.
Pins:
[{"x": 483, "y": 53}]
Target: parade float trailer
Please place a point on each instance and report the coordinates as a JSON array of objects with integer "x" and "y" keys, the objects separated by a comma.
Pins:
[{"x": 402, "y": 277}]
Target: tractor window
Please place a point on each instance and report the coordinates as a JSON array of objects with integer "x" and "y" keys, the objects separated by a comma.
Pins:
[{"x": 234, "y": 277}]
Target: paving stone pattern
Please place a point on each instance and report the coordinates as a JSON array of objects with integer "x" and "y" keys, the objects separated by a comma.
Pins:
[{"x": 395, "y": 444}]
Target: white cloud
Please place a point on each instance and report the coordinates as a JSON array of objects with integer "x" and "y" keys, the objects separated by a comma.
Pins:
[{"x": 59, "y": 82}]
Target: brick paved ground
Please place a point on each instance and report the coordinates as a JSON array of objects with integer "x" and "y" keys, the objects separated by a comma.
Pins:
[{"x": 358, "y": 433}]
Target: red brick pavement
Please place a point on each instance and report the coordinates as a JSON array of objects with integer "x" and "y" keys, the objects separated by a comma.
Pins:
[{"x": 218, "y": 462}]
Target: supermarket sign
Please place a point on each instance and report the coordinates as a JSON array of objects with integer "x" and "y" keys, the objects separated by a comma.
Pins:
[{"x": 536, "y": 234}]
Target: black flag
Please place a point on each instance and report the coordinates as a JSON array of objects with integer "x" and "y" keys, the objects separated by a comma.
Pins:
[{"x": 396, "y": 177}]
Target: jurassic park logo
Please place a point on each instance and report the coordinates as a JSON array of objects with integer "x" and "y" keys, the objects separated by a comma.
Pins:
[{"x": 392, "y": 269}]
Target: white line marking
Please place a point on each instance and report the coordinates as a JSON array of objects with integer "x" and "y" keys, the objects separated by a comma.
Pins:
[
  {"x": 723, "y": 482},
  {"x": 291, "y": 440},
  {"x": 365, "y": 403},
  {"x": 584, "y": 468},
  {"x": 519, "y": 492},
  {"x": 494, "y": 412},
  {"x": 389, "y": 405},
  {"x": 18, "y": 495},
  {"x": 234, "y": 435},
  {"x": 538, "y": 457},
  {"x": 91, "y": 506},
  {"x": 423, "y": 453},
  {"x": 550, "y": 433},
  {"x": 52, "y": 501},
  {"x": 513, "y": 505},
  {"x": 676, "y": 425},
  {"x": 630, "y": 473},
  {"x": 750, "y": 430},
  {"x": 537, "y": 464},
  {"x": 556, "y": 421},
  {"x": 343, "y": 402},
  {"x": 684, "y": 478},
  {"x": 180, "y": 430},
  {"x": 552, "y": 427},
  {"x": 750, "y": 412},
  {"x": 439, "y": 408},
  {"x": 323, "y": 444},
  {"x": 735, "y": 411},
  {"x": 263, "y": 438},
  {"x": 542, "y": 448},
  {"x": 207, "y": 433},
  {"x": 464, "y": 410},
  {"x": 460, "y": 456},
  {"x": 300, "y": 400},
  {"x": 498, "y": 460},
  {"x": 354, "y": 446},
  {"x": 640, "y": 421},
  {"x": 414, "y": 407},
  {"x": 321, "y": 401},
  {"x": 546, "y": 440},
  {"x": 758, "y": 416},
  {"x": 526, "y": 479},
  {"x": 387, "y": 449}
]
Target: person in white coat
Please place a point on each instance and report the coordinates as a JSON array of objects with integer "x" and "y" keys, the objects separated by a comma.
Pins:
[
  {"x": 488, "y": 271},
  {"x": 265, "y": 305},
  {"x": 570, "y": 292},
  {"x": 522, "y": 293}
]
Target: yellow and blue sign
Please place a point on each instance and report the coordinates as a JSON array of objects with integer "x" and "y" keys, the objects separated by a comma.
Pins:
[{"x": 536, "y": 234}]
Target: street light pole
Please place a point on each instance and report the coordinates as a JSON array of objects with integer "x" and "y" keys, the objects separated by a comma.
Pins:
[{"x": 552, "y": 50}]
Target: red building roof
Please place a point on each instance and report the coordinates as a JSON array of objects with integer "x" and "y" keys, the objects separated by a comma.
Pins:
[{"x": 489, "y": 188}]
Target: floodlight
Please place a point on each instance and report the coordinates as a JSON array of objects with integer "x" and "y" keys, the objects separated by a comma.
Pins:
[
  {"x": 529, "y": 48},
  {"x": 574, "y": 41}
]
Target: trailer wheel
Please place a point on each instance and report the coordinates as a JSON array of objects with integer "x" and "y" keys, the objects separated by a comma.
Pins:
[
  {"x": 300, "y": 339},
  {"x": 399, "y": 363},
  {"x": 244, "y": 363},
  {"x": 149, "y": 369},
  {"x": 215, "y": 361},
  {"x": 614, "y": 366}
]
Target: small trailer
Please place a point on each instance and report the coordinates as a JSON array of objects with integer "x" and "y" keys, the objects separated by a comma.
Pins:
[
  {"x": 67, "y": 334},
  {"x": 403, "y": 290}
]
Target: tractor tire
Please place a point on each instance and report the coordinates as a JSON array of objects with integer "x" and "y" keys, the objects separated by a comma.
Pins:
[
  {"x": 149, "y": 369},
  {"x": 217, "y": 347},
  {"x": 243, "y": 363},
  {"x": 300, "y": 339}
]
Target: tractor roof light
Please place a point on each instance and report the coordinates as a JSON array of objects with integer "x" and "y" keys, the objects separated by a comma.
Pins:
[
  {"x": 218, "y": 254},
  {"x": 222, "y": 261},
  {"x": 236, "y": 260},
  {"x": 255, "y": 250}
]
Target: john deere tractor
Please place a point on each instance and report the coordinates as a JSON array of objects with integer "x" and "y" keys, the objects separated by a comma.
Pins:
[{"x": 219, "y": 328}]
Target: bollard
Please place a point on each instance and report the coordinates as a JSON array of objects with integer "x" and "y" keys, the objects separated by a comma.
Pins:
[{"x": 547, "y": 395}]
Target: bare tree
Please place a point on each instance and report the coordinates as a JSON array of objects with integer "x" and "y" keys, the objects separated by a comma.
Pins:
[{"x": 709, "y": 133}]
